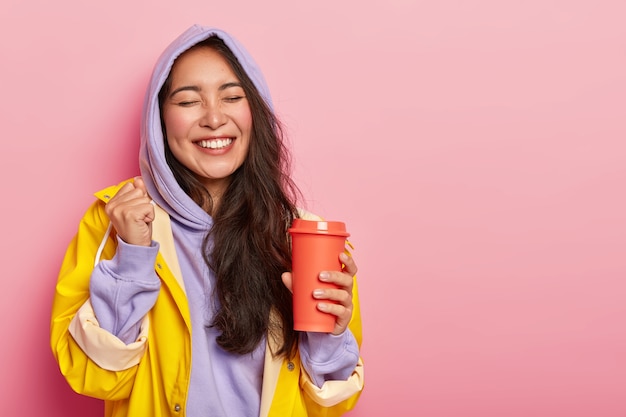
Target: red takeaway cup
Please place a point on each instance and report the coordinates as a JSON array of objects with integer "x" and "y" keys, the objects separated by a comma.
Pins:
[{"x": 315, "y": 247}]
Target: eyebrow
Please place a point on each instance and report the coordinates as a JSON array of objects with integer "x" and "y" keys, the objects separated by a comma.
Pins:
[{"x": 197, "y": 89}]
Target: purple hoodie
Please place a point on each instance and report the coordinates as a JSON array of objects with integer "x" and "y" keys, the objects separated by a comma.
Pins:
[{"x": 124, "y": 288}]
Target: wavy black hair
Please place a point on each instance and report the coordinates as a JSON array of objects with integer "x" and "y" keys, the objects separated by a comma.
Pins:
[{"x": 248, "y": 246}]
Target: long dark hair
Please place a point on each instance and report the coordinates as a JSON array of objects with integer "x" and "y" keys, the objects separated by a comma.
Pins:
[{"x": 248, "y": 247}]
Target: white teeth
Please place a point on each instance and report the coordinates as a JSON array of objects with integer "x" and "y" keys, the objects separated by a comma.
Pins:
[{"x": 216, "y": 144}]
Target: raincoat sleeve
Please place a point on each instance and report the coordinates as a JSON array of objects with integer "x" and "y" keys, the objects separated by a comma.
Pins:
[
  {"x": 124, "y": 289},
  {"x": 328, "y": 357},
  {"x": 75, "y": 335}
]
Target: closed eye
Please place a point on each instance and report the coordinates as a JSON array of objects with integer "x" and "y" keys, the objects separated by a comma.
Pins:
[{"x": 233, "y": 99}]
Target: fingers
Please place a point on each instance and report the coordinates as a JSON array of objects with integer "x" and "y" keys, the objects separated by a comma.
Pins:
[
  {"x": 343, "y": 279},
  {"x": 338, "y": 304},
  {"x": 338, "y": 300},
  {"x": 340, "y": 293},
  {"x": 349, "y": 264},
  {"x": 140, "y": 184},
  {"x": 130, "y": 190},
  {"x": 335, "y": 299},
  {"x": 343, "y": 314}
]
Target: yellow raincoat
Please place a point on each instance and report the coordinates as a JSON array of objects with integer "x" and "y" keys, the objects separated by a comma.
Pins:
[{"x": 150, "y": 377}]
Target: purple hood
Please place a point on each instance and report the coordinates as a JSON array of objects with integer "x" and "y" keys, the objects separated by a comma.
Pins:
[{"x": 160, "y": 181}]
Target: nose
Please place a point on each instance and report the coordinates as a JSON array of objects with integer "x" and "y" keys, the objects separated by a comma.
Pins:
[{"x": 213, "y": 116}]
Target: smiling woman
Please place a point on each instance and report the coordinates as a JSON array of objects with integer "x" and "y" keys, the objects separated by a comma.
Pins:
[{"x": 188, "y": 309}]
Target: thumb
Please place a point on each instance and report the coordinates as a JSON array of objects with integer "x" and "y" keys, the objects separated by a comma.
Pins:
[{"x": 287, "y": 280}]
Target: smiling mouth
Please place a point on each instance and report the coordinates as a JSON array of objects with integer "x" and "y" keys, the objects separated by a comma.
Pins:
[{"x": 215, "y": 143}]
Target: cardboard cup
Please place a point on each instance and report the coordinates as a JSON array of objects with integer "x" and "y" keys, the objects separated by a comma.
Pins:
[{"x": 315, "y": 247}]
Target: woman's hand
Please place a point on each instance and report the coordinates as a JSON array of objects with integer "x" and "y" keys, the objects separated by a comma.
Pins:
[
  {"x": 340, "y": 297},
  {"x": 132, "y": 213}
]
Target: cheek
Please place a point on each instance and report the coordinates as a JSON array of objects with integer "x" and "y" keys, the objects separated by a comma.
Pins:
[
  {"x": 176, "y": 123},
  {"x": 244, "y": 119}
]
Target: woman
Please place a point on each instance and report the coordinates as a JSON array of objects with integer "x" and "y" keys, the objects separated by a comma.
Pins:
[{"x": 174, "y": 296}]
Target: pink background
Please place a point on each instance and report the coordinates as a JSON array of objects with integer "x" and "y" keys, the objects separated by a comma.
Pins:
[{"x": 476, "y": 150}]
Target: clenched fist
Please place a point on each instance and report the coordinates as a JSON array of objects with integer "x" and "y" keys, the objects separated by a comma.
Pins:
[{"x": 132, "y": 213}]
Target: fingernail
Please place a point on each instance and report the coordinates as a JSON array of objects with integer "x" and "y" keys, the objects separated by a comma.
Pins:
[
  {"x": 318, "y": 293},
  {"x": 322, "y": 306},
  {"x": 343, "y": 256},
  {"x": 324, "y": 276}
]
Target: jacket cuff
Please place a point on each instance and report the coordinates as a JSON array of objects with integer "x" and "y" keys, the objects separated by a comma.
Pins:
[
  {"x": 102, "y": 347},
  {"x": 333, "y": 392}
]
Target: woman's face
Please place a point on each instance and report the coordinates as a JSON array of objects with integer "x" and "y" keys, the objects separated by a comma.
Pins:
[{"x": 207, "y": 117}]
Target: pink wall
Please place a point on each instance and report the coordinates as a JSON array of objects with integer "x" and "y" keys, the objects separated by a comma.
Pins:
[{"x": 476, "y": 149}]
